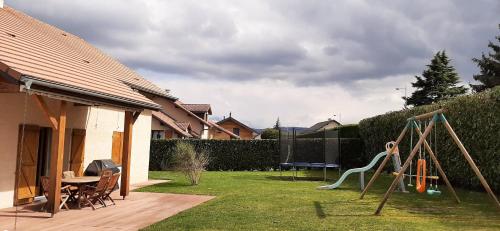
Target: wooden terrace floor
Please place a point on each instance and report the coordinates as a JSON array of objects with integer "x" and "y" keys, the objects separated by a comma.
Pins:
[{"x": 137, "y": 211}]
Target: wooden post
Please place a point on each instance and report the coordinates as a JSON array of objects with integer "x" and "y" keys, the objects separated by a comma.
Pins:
[
  {"x": 438, "y": 166},
  {"x": 384, "y": 162},
  {"x": 127, "y": 149},
  {"x": 45, "y": 109},
  {"x": 56, "y": 161},
  {"x": 426, "y": 115},
  {"x": 471, "y": 162},
  {"x": 405, "y": 166}
]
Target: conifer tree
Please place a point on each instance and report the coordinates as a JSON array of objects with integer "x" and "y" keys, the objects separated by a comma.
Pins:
[
  {"x": 277, "y": 125},
  {"x": 489, "y": 73},
  {"x": 439, "y": 81}
]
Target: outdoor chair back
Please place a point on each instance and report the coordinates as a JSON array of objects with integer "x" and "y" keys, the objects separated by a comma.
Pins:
[
  {"x": 68, "y": 174},
  {"x": 92, "y": 194},
  {"x": 112, "y": 186},
  {"x": 65, "y": 193},
  {"x": 107, "y": 172}
]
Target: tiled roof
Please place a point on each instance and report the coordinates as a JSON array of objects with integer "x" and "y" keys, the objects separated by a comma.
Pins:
[
  {"x": 218, "y": 127},
  {"x": 197, "y": 108},
  {"x": 183, "y": 125},
  {"x": 170, "y": 122},
  {"x": 180, "y": 105},
  {"x": 35, "y": 50},
  {"x": 230, "y": 118},
  {"x": 322, "y": 124}
]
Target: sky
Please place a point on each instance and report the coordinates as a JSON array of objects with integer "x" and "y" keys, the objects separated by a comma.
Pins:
[{"x": 301, "y": 61}]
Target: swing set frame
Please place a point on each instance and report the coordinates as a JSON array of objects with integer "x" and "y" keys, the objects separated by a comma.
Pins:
[{"x": 437, "y": 116}]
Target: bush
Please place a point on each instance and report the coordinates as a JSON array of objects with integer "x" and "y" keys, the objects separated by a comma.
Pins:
[
  {"x": 190, "y": 162},
  {"x": 224, "y": 154},
  {"x": 270, "y": 133},
  {"x": 476, "y": 121}
]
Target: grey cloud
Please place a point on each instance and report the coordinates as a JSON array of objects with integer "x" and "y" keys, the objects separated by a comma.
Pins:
[{"x": 304, "y": 42}]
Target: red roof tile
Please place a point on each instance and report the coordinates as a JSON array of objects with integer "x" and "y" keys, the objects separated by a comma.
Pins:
[
  {"x": 197, "y": 108},
  {"x": 170, "y": 122},
  {"x": 45, "y": 53}
]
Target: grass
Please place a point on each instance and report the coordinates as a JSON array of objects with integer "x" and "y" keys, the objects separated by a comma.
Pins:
[{"x": 264, "y": 201}]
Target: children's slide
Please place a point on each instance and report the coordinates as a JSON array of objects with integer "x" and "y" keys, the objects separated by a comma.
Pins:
[{"x": 354, "y": 170}]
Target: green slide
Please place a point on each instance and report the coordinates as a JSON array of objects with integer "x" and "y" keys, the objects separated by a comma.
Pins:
[{"x": 354, "y": 170}]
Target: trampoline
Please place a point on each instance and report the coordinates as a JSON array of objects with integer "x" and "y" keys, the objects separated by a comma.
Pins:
[{"x": 320, "y": 150}]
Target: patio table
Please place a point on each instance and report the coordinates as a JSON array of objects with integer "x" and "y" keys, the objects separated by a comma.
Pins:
[{"x": 80, "y": 182}]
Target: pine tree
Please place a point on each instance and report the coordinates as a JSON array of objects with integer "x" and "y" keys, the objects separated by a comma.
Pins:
[
  {"x": 489, "y": 74},
  {"x": 439, "y": 81},
  {"x": 277, "y": 125}
]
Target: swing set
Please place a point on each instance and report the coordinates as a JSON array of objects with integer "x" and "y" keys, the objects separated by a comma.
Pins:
[{"x": 429, "y": 120}]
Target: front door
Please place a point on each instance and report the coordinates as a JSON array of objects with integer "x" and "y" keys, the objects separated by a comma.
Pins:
[{"x": 27, "y": 161}]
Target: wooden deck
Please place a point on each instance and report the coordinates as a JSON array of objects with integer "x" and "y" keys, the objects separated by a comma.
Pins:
[{"x": 137, "y": 211}]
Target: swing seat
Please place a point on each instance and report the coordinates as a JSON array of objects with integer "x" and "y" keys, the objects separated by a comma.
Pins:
[
  {"x": 421, "y": 175},
  {"x": 432, "y": 192}
]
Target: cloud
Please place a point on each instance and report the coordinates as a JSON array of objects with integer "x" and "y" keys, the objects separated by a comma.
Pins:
[{"x": 304, "y": 47}]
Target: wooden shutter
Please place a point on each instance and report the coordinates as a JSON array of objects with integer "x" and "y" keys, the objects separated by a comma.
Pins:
[
  {"x": 117, "y": 148},
  {"x": 27, "y": 163},
  {"x": 169, "y": 134},
  {"x": 77, "y": 151}
]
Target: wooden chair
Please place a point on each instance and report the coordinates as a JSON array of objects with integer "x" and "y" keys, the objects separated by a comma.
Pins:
[
  {"x": 92, "y": 195},
  {"x": 73, "y": 189},
  {"x": 65, "y": 193},
  {"x": 68, "y": 174},
  {"x": 107, "y": 172},
  {"x": 113, "y": 182}
]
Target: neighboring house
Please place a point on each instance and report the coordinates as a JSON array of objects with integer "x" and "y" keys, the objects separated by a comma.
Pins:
[
  {"x": 65, "y": 103},
  {"x": 176, "y": 121},
  {"x": 184, "y": 121},
  {"x": 218, "y": 132},
  {"x": 330, "y": 123},
  {"x": 236, "y": 127},
  {"x": 200, "y": 110}
]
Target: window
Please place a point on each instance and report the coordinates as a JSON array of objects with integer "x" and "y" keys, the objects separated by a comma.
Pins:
[
  {"x": 236, "y": 131},
  {"x": 157, "y": 135}
]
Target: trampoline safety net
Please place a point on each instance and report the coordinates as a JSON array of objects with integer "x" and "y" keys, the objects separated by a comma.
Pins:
[{"x": 318, "y": 149}]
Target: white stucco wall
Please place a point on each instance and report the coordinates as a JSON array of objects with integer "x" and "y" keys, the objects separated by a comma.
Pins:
[
  {"x": 99, "y": 122},
  {"x": 102, "y": 122}
]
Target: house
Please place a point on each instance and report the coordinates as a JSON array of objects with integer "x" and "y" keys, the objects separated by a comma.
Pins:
[
  {"x": 328, "y": 124},
  {"x": 200, "y": 110},
  {"x": 179, "y": 120},
  {"x": 65, "y": 103},
  {"x": 236, "y": 127},
  {"x": 218, "y": 132}
]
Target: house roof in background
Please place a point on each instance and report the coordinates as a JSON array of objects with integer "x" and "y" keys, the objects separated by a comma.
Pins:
[
  {"x": 179, "y": 104},
  {"x": 183, "y": 125},
  {"x": 33, "y": 50},
  {"x": 218, "y": 127},
  {"x": 322, "y": 124},
  {"x": 170, "y": 122},
  {"x": 197, "y": 108},
  {"x": 230, "y": 118}
]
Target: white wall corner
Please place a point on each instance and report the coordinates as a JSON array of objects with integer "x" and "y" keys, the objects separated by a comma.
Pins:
[{"x": 1, "y": 3}]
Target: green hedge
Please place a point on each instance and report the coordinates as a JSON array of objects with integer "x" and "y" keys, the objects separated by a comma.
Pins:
[
  {"x": 475, "y": 119},
  {"x": 248, "y": 154},
  {"x": 224, "y": 154}
]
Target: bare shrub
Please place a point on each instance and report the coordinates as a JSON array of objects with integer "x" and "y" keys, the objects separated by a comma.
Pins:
[{"x": 190, "y": 162}]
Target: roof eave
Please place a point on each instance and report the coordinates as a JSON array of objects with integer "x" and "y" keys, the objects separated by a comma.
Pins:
[{"x": 29, "y": 81}]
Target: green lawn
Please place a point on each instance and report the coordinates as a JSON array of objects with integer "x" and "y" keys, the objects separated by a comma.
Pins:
[{"x": 264, "y": 201}]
